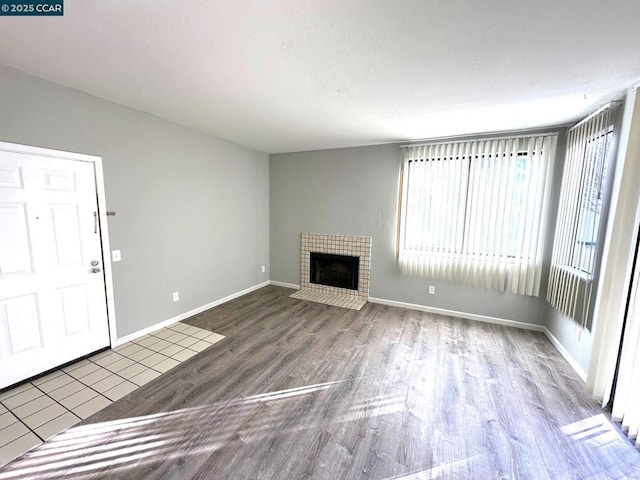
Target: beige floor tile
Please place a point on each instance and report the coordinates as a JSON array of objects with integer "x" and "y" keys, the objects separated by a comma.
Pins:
[
  {"x": 201, "y": 334},
  {"x": 160, "y": 345},
  {"x": 185, "y": 354},
  {"x": 128, "y": 348},
  {"x": 178, "y": 326},
  {"x": 90, "y": 407},
  {"x": 119, "y": 365},
  {"x": 18, "y": 447},
  {"x": 151, "y": 360},
  {"x": 214, "y": 338},
  {"x": 187, "y": 342},
  {"x": 95, "y": 376},
  {"x": 76, "y": 365},
  {"x": 32, "y": 407},
  {"x": 141, "y": 354},
  {"x": 107, "y": 383},
  {"x": 46, "y": 378},
  {"x": 11, "y": 432},
  {"x": 200, "y": 345},
  {"x": 102, "y": 354},
  {"x": 119, "y": 391},
  {"x": 142, "y": 338},
  {"x": 2, "y": 408},
  {"x": 78, "y": 398},
  {"x": 43, "y": 416},
  {"x": 171, "y": 350},
  {"x": 164, "y": 333},
  {"x": 55, "y": 383},
  {"x": 84, "y": 370},
  {"x": 6, "y": 419},
  {"x": 176, "y": 337},
  {"x": 145, "y": 377},
  {"x": 15, "y": 391},
  {"x": 190, "y": 330},
  {"x": 147, "y": 342},
  {"x": 67, "y": 390},
  {"x": 26, "y": 395},
  {"x": 107, "y": 359},
  {"x": 166, "y": 365},
  {"x": 132, "y": 371},
  {"x": 57, "y": 425}
]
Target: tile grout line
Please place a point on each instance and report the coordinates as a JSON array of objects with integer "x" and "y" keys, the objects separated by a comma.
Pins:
[
  {"x": 117, "y": 374},
  {"x": 19, "y": 420},
  {"x": 55, "y": 401}
]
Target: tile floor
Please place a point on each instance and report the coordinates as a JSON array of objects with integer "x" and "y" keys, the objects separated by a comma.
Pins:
[{"x": 37, "y": 410}]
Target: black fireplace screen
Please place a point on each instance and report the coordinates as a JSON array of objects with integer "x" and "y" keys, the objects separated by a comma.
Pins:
[{"x": 334, "y": 270}]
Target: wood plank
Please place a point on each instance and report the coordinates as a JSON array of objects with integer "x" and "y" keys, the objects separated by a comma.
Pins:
[{"x": 304, "y": 390}]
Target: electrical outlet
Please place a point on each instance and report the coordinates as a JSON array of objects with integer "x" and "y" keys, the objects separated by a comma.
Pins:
[
  {"x": 115, "y": 256},
  {"x": 176, "y": 296},
  {"x": 263, "y": 269},
  {"x": 432, "y": 289}
]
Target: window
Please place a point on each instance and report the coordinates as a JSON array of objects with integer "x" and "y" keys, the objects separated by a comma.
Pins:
[
  {"x": 580, "y": 211},
  {"x": 590, "y": 204},
  {"x": 472, "y": 212},
  {"x": 469, "y": 177}
]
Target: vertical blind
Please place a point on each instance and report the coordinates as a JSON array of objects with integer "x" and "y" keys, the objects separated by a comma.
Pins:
[
  {"x": 579, "y": 209},
  {"x": 474, "y": 212},
  {"x": 626, "y": 396}
]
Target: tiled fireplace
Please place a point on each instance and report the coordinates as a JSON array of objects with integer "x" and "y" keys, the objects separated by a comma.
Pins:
[{"x": 340, "y": 251}]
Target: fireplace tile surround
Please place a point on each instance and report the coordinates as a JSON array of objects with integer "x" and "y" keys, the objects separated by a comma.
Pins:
[{"x": 336, "y": 245}]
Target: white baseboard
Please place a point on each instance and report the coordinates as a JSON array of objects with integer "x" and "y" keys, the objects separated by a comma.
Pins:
[
  {"x": 411, "y": 306},
  {"x": 565, "y": 353},
  {"x": 284, "y": 284},
  {"x": 182, "y": 316},
  {"x": 454, "y": 313}
]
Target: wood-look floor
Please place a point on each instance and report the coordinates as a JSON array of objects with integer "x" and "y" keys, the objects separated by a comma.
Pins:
[{"x": 302, "y": 390}]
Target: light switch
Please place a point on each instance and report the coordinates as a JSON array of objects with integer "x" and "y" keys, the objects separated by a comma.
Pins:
[{"x": 115, "y": 255}]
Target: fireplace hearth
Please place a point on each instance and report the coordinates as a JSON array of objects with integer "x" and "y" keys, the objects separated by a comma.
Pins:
[{"x": 334, "y": 269}]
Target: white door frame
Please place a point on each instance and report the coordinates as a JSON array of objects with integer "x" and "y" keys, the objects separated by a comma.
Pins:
[{"x": 102, "y": 213}]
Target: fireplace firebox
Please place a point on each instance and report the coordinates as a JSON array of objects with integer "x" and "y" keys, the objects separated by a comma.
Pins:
[{"x": 334, "y": 270}]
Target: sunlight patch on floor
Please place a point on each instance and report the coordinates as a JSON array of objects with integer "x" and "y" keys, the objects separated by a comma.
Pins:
[
  {"x": 119, "y": 445},
  {"x": 596, "y": 430},
  {"x": 458, "y": 468}
]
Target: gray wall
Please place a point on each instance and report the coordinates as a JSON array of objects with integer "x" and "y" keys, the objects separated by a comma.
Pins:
[
  {"x": 575, "y": 341},
  {"x": 354, "y": 191},
  {"x": 192, "y": 210}
]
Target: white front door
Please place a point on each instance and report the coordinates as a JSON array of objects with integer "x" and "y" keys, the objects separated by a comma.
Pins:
[{"x": 52, "y": 290}]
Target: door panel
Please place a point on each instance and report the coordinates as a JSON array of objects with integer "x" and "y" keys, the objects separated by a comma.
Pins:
[
  {"x": 66, "y": 230},
  {"x": 10, "y": 177},
  {"x": 23, "y": 322},
  {"x": 15, "y": 251},
  {"x": 73, "y": 300},
  {"x": 52, "y": 306},
  {"x": 60, "y": 180}
]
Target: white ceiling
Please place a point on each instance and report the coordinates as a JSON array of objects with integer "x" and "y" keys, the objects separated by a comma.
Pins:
[{"x": 292, "y": 75}]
